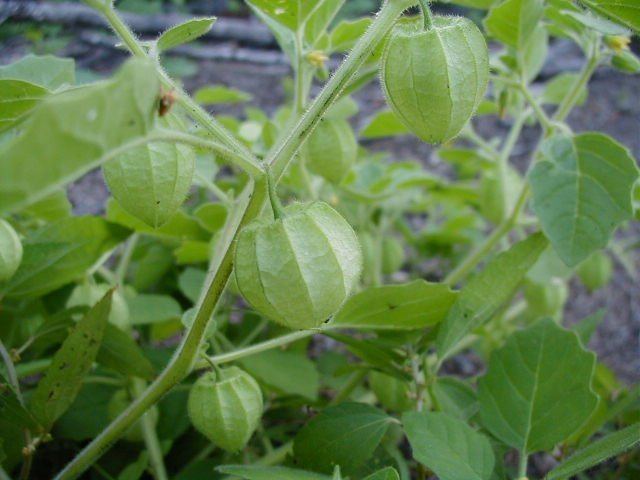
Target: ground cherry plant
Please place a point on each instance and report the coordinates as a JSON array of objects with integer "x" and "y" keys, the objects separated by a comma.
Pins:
[{"x": 253, "y": 304}]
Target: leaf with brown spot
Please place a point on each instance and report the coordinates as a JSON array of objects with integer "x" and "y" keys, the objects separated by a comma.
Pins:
[{"x": 59, "y": 387}]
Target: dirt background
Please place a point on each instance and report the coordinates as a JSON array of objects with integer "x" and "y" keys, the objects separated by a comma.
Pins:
[{"x": 613, "y": 106}]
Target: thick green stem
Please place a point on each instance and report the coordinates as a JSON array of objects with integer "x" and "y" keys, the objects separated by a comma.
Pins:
[
  {"x": 184, "y": 357},
  {"x": 280, "y": 156},
  {"x": 544, "y": 120},
  {"x": 522, "y": 466}
]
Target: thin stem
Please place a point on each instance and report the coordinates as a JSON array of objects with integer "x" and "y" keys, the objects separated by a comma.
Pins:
[
  {"x": 522, "y": 466},
  {"x": 196, "y": 111},
  {"x": 492, "y": 240},
  {"x": 570, "y": 100},
  {"x": 184, "y": 357},
  {"x": 352, "y": 383},
  {"x": 150, "y": 436},
  {"x": 300, "y": 96},
  {"x": 15, "y": 385},
  {"x": 276, "y": 206},
  {"x": 213, "y": 188},
  {"x": 426, "y": 14},
  {"x": 258, "y": 347},
  {"x": 125, "y": 259},
  {"x": 545, "y": 121}
]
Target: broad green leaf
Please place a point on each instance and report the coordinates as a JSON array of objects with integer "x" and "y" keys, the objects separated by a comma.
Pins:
[
  {"x": 72, "y": 132},
  {"x": 190, "y": 283},
  {"x": 448, "y": 446},
  {"x": 46, "y": 71},
  {"x": 345, "y": 35},
  {"x": 383, "y": 124},
  {"x": 312, "y": 15},
  {"x": 582, "y": 188},
  {"x": 17, "y": 98},
  {"x": 12, "y": 410},
  {"x": 479, "y": 4},
  {"x": 346, "y": 434},
  {"x": 256, "y": 472},
  {"x": 624, "y": 12},
  {"x": 559, "y": 87},
  {"x": 53, "y": 207},
  {"x": 87, "y": 416},
  {"x": 537, "y": 389},
  {"x": 57, "y": 390},
  {"x": 597, "y": 452},
  {"x": 148, "y": 308},
  {"x": 588, "y": 325},
  {"x": 487, "y": 291},
  {"x": 184, "y": 33},
  {"x": 192, "y": 252},
  {"x": 414, "y": 305},
  {"x": 513, "y": 21},
  {"x": 218, "y": 94},
  {"x": 320, "y": 18},
  {"x": 179, "y": 226},
  {"x": 290, "y": 373},
  {"x": 136, "y": 469},
  {"x": 388, "y": 473},
  {"x": 597, "y": 23},
  {"x": 119, "y": 352},
  {"x": 61, "y": 252},
  {"x": 535, "y": 52},
  {"x": 211, "y": 216},
  {"x": 455, "y": 397}
]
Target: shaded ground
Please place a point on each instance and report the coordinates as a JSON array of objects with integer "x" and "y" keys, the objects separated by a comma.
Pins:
[{"x": 613, "y": 107}]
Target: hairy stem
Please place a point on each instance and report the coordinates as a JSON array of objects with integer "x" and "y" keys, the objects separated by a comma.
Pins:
[
  {"x": 583, "y": 78},
  {"x": 284, "y": 151},
  {"x": 186, "y": 354},
  {"x": 426, "y": 14},
  {"x": 196, "y": 111},
  {"x": 184, "y": 357}
]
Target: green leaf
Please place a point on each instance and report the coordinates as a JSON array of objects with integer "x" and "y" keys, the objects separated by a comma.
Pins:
[
  {"x": 17, "y": 98},
  {"x": 184, "y": 33},
  {"x": 624, "y": 12},
  {"x": 119, "y": 352},
  {"x": 559, "y": 87},
  {"x": 12, "y": 410},
  {"x": 286, "y": 372},
  {"x": 180, "y": 225},
  {"x": 448, "y": 446},
  {"x": 319, "y": 19},
  {"x": 513, "y": 21},
  {"x": 486, "y": 292},
  {"x": 588, "y": 325},
  {"x": 53, "y": 207},
  {"x": 61, "y": 252},
  {"x": 345, "y": 435},
  {"x": 59, "y": 387},
  {"x": 47, "y": 71},
  {"x": 383, "y": 124},
  {"x": 70, "y": 133},
  {"x": 255, "y": 472},
  {"x": 455, "y": 397},
  {"x": 148, "y": 308},
  {"x": 190, "y": 283},
  {"x": 414, "y": 305},
  {"x": 345, "y": 35},
  {"x": 388, "y": 473},
  {"x": 599, "y": 451},
  {"x": 582, "y": 188},
  {"x": 88, "y": 415},
  {"x": 537, "y": 389},
  {"x": 215, "y": 95}
]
